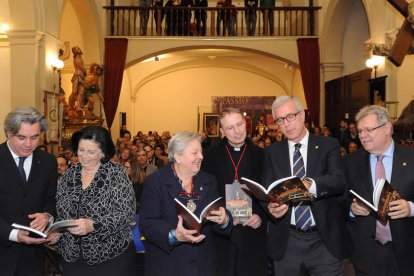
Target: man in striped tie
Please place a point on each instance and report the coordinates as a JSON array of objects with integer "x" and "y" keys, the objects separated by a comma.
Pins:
[
  {"x": 306, "y": 239},
  {"x": 381, "y": 250}
]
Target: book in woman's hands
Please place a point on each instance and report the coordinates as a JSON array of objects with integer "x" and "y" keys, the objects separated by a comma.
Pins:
[
  {"x": 383, "y": 194},
  {"x": 190, "y": 220},
  {"x": 281, "y": 191},
  {"x": 59, "y": 226}
]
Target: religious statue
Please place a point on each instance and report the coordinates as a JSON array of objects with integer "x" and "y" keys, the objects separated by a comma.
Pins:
[
  {"x": 410, "y": 16},
  {"x": 76, "y": 98},
  {"x": 84, "y": 87},
  {"x": 261, "y": 128},
  {"x": 91, "y": 87}
]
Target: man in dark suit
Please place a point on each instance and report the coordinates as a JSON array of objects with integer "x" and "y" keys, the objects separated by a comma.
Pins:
[
  {"x": 235, "y": 156},
  {"x": 27, "y": 192},
  {"x": 311, "y": 238},
  {"x": 381, "y": 250}
]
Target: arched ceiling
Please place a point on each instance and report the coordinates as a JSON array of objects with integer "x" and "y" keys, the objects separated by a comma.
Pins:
[{"x": 272, "y": 68}]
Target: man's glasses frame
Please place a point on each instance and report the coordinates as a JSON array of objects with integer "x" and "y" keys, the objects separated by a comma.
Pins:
[
  {"x": 290, "y": 118},
  {"x": 369, "y": 130}
]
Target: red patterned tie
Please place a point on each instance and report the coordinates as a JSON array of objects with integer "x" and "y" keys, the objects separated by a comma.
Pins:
[{"x": 383, "y": 233}]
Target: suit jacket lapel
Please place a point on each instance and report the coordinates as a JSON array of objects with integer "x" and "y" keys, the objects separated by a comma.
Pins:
[
  {"x": 10, "y": 164},
  {"x": 399, "y": 167},
  {"x": 34, "y": 170},
  {"x": 366, "y": 174},
  {"x": 312, "y": 156},
  {"x": 284, "y": 160}
]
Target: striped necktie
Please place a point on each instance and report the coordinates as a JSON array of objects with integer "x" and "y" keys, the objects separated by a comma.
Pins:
[{"x": 302, "y": 213}]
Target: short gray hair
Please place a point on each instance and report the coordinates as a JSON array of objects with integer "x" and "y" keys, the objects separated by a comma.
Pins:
[
  {"x": 24, "y": 114},
  {"x": 179, "y": 142},
  {"x": 282, "y": 100},
  {"x": 382, "y": 114}
]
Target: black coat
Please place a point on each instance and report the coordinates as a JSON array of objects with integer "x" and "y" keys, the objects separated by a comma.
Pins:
[
  {"x": 362, "y": 229},
  {"x": 251, "y": 257},
  {"x": 325, "y": 166},
  {"x": 17, "y": 201}
]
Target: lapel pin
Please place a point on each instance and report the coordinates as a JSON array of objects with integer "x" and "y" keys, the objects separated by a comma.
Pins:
[
  {"x": 404, "y": 164},
  {"x": 316, "y": 147},
  {"x": 201, "y": 188}
]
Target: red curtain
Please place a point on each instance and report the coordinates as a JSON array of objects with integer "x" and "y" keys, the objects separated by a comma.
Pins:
[
  {"x": 115, "y": 55},
  {"x": 308, "y": 50}
]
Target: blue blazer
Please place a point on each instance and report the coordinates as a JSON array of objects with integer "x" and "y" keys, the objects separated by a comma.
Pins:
[
  {"x": 158, "y": 217},
  {"x": 325, "y": 166}
]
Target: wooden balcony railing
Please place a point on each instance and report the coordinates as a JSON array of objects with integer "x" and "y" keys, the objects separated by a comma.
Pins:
[{"x": 217, "y": 21}]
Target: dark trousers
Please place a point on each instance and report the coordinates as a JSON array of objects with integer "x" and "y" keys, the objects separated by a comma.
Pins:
[
  {"x": 383, "y": 262},
  {"x": 307, "y": 255},
  {"x": 123, "y": 265}
]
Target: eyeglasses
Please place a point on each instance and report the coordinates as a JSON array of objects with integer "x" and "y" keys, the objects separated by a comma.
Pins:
[
  {"x": 369, "y": 130},
  {"x": 238, "y": 125},
  {"x": 289, "y": 118}
]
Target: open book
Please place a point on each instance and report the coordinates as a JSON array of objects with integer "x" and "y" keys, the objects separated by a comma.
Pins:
[
  {"x": 281, "y": 191},
  {"x": 190, "y": 220},
  {"x": 381, "y": 197},
  {"x": 59, "y": 226}
]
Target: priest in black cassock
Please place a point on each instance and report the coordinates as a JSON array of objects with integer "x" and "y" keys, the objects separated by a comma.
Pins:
[{"x": 235, "y": 156}]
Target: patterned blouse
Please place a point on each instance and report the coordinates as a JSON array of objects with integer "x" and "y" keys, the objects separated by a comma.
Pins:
[{"x": 109, "y": 201}]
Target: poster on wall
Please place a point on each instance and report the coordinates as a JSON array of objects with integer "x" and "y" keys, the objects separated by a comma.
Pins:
[
  {"x": 211, "y": 124},
  {"x": 51, "y": 110},
  {"x": 252, "y": 106}
]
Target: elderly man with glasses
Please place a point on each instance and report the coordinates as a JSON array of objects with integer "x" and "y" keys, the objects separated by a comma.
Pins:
[
  {"x": 380, "y": 249},
  {"x": 306, "y": 238}
]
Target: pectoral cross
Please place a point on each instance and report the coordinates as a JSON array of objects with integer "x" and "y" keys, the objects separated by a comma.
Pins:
[{"x": 405, "y": 36}]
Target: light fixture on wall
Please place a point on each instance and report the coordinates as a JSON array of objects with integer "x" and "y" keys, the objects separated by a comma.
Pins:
[
  {"x": 288, "y": 66},
  {"x": 156, "y": 59},
  {"x": 57, "y": 65},
  {"x": 373, "y": 63},
  {"x": 5, "y": 27}
]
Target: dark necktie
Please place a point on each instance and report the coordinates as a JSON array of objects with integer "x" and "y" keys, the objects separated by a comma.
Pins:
[
  {"x": 302, "y": 213},
  {"x": 21, "y": 169},
  {"x": 383, "y": 232}
]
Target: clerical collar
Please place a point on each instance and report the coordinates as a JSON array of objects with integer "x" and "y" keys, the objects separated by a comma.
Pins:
[{"x": 235, "y": 148}]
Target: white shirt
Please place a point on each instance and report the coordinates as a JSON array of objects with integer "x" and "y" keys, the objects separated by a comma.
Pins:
[{"x": 304, "y": 152}]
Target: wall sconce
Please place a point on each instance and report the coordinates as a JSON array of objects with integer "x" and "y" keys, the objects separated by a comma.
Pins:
[
  {"x": 288, "y": 66},
  {"x": 5, "y": 28},
  {"x": 373, "y": 63},
  {"x": 57, "y": 65}
]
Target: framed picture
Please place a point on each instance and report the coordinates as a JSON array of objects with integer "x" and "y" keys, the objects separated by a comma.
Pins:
[{"x": 211, "y": 124}]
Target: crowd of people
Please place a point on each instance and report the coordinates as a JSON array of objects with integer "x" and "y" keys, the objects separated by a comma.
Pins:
[
  {"x": 101, "y": 186},
  {"x": 178, "y": 16}
]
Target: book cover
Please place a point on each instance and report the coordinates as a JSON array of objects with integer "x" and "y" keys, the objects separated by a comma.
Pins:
[
  {"x": 190, "y": 220},
  {"x": 59, "y": 226},
  {"x": 382, "y": 195},
  {"x": 289, "y": 189},
  {"x": 238, "y": 202}
]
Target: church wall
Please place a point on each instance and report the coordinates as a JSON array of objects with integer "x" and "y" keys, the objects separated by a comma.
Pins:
[
  {"x": 356, "y": 33},
  {"x": 171, "y": 101}
]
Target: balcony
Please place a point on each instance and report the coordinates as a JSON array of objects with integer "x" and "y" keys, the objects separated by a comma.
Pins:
[{"x": 217, "y": 21}]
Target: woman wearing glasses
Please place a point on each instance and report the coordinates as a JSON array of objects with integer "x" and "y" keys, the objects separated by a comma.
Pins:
[{"x": 170, "y": 248}]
